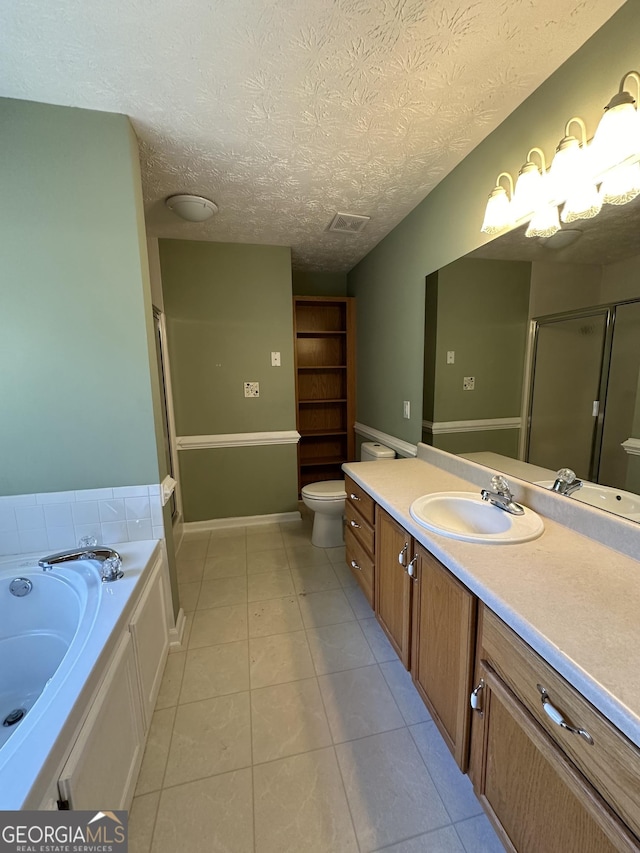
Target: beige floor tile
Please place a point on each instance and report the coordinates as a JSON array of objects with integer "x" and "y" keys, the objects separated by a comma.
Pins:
[
  {"x": 303, "y": 556},
  {"x": 189, "y": 571},
  {"x": 193, "y": 549},
  {"x": 195, "y": 535},
  {"x": 279, "y": 658},
  {"x": 344, "y": 575},
  {"x": 339, "y": 647},
  {"x": 358, "y": 602},
  {"x": 325, "y": 608},
  {"x": 156, "y": 751},
  {"x": 209, "y": 737},
  {"x": 225, "y": 567},
  {"x": 270, "y": 585},
  {"x": 265, "y": 527},
  {"x": 315, "y": 579},
  {"x": 188, "y": 595},
  {"x": 386, "y": 769},
  {"x": 275, "y": 560},
  {"x": 142, "y": 818},
  {"x": 171, "y": 681},
  {"x": 359, "y": 703},
  {"x": 228, "y": 533},
  {"x": 222, "y": 592},
  {"x": 439, "y": 841},
  {"x": 377, "y": 639},
  {"x": 300, "y": 806},
  {"x": 219, "y": 625},
  {"x": 287, "y": 719},
  {"x": 227, "y": 546},
  {"x": 274, "y": 616},
  {"x": 186, "y": 634},
  {"x": 296, "y": 535},
  {"x": 337, "y": 556},
  {"x": 265, "y": 541},
  {"x": 404, "y": 692},
  {"x": 478, "y": 836},
  {"x": 214, "y": 671},
  {"x": 213, "y": 814}
]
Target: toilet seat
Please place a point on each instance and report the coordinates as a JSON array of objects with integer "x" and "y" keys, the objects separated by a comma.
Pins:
[{"x": 326, "y": 490}]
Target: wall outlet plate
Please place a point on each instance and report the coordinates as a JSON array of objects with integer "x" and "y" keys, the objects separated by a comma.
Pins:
[
  {"x": 469, "y": 383},
  {"x": 251, "y": 389}
]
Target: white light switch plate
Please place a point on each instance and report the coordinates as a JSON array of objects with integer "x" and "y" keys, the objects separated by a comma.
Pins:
[
  {"x": 451, "y": 356},
  {"x": 251, "y": 389},
  {"x": 275, "y": 359}
]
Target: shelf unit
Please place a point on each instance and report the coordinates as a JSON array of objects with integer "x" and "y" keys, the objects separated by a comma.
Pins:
[{"x": 324, "y": 330}]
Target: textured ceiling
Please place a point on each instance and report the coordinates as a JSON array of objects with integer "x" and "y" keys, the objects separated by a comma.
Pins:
[{"x": 287, "y": 111}]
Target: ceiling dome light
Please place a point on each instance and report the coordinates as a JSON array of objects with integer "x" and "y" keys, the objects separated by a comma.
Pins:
[
  {"x": 193, "y": 208},
  {"x": 499, "y": 213}
]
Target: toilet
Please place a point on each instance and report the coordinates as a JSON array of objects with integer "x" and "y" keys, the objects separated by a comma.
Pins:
[{"x": 327, "y": 498}]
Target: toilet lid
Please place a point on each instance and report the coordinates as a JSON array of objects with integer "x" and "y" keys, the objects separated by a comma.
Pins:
[{"x": 327, "y": 490}]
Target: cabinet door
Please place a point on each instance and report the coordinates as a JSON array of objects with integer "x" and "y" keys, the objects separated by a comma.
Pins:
[
  {"x": 392, "y": 583},
  {"x": 535, "y": 798},
  {"x": 103, "y": 766},
  {"x": 444, "y": 619}
]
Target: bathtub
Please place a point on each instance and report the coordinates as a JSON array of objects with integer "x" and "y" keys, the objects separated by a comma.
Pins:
[{"x": 54, "y": 641}]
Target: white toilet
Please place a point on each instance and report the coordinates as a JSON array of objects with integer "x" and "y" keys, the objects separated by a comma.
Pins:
[{"x": 327, "y": 498}]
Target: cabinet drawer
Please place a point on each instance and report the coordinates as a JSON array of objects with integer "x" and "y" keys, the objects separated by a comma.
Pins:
[
  {"x": 611, "y": 762},
  {"x": 360, "y": 563},
  {"x": 359, "y": 527},
  {"x": 357, "y": 497}
]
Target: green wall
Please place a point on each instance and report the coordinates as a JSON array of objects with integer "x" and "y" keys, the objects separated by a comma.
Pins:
[
  {"x": 228, "y": 306},
  {"x": 306, "y": 283},
  {"x": 77, "y": 387},
  {"x": 389, "y": 281}
]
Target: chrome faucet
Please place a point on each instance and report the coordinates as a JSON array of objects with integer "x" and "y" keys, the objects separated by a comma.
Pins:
[
  {"x": 110, "y": 560},
  {"x": 566, "y": 482},
  {"x": 502, "y": 496}
]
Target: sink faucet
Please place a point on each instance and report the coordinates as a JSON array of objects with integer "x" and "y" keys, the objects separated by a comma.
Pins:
[
  {"x": 501, "y": 496},
  {"x": 110, "y": 560},
  {"x": 566, "y": 482}
]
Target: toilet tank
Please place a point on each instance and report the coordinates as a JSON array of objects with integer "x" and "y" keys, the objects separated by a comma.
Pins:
[{"x": 371, "y": 451}]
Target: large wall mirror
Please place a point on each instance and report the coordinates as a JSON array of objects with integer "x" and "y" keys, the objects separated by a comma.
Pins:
[{"x": 532, "y": 357}]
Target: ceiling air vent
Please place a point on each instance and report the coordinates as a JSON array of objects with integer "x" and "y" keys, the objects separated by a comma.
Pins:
[{"x": 348, "y": 223}]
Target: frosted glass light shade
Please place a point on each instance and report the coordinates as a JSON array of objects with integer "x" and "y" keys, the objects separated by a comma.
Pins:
[
  {"x": 617, "y": 137},
  {"x": 573, "y": 183},
  {"x": 621, "y": 184},
  {"x": 498, "y": 214},
  {"x": 529, "y": 191},
  {"x": 544, "y": 222},
  {"x": 193, "y": 208}
]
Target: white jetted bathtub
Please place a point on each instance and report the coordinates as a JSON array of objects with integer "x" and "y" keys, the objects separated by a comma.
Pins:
[{"x": 61, "y": 631}]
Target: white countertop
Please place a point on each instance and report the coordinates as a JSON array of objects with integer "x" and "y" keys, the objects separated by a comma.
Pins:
[{"x": 574, "y": 600}]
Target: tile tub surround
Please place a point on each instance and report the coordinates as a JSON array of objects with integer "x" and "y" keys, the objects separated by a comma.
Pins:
[
  {"x": 287, "y": 723},
  {"x": 571, "y": 598},
  {"x": 54, "y": 521}
]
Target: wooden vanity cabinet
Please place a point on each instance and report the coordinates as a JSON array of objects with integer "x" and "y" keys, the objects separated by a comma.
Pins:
[
  {"x": 444, "y": 626},
  {"x": 394, "y": 551},
  {"x": 535, "y": 795},
  {"x": 359, "y": 537}
]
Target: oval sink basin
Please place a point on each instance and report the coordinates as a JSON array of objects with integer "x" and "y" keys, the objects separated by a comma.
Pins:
[
  {"x": 464, "y": 515},
  {"x": 613, "y": 500}
]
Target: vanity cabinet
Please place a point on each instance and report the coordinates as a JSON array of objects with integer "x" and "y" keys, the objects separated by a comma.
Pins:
[
  {"x": 442, "y": 657},
  {"x": 394, "y": 552},
  {"x": 551, "y": 772},
  {"x": 359, "y": 537}
]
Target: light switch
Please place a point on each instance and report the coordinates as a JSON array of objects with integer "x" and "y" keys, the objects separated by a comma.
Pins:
[
  {"x": 275, "y": 359},
  {"x": 406, "y": 409},
  {"x": 451, "y": 356}
]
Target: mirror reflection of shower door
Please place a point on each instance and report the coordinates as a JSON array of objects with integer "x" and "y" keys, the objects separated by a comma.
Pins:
[
  {"x": 566, "y": 383},
  {"x": 621, "y": 396}
]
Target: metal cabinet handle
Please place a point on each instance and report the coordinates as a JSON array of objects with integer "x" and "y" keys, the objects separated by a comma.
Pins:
[
  {"x": 402, "y": 556},
  {"x": 411, "y": 568},
  {"x": 354, "y": 565},
  {"x": 354, "y": 497},
  {"x": 476, "y": 699},
  {"x": 354, "y": 524},
  {"x": 557, "y": 716}
]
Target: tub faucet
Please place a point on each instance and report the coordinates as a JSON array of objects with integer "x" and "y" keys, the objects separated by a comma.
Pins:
[
  {"x": 501, "y": 496},
  {"x": 566, "y": 482},
  {"x": 110, "y": 560}
]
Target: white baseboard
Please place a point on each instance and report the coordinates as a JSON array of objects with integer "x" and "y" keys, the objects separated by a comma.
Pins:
[
  {"x": 176, "y": 634},
  {"x": 240, "y": 521}
]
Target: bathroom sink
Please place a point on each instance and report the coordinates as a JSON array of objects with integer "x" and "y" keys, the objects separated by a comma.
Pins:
[
  {"x": 464, "y": 515},
  {"x": 613, "y": 500}
]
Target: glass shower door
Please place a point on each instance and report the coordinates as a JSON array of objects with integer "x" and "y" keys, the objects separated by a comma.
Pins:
[{"x": 566, "y": 392}]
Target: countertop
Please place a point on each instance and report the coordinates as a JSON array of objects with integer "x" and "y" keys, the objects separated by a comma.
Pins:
[{"x": 572, "y": 599}]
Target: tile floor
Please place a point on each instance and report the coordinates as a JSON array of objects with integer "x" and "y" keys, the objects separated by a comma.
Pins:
[{"x": 286, "y": 724}]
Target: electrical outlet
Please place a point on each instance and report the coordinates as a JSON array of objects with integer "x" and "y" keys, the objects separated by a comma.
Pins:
[
  {"x": 469, "y": 383},
  {"x": 406, "y": 409},
  {"x": 251, "y": 389},
  {"x": 275, "y": 359},
  {"x": 451, "y": 356}
]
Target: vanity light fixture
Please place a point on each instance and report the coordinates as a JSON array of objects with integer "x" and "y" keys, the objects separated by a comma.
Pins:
[
  {"x": 499, "y": 212},
  {"x": 570, "y": 176},
  {"x": 533, "y": 195},
  {"x": 193, "y": 208},
  {"x": 617, "y": 139}
]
